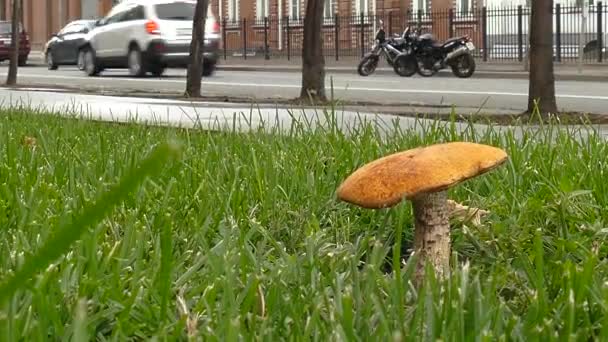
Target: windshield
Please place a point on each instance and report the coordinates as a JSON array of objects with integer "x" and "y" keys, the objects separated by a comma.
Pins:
[
  {"x": 175, "y": 11},
  {"x": 5, "y": 27}
]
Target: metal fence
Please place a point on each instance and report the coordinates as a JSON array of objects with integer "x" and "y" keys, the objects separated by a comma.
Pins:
[{"x": 501, "y": 34}]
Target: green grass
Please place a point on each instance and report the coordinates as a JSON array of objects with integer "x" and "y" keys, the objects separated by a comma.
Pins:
[{"x": 243, "y": 239}]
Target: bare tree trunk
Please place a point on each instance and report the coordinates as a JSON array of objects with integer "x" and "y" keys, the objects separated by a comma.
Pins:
[
  {"x": 542, "y": 79},
  {"x": 313, "y": 62},
  {"x": 195, "y": 68},
  {"x": 11, "y": 79}
]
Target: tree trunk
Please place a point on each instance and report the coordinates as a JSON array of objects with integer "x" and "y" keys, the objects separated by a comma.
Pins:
[
  {"x": 195, "y": 68},
  {"x": 542, "y": 79},
  {"x": 11, "y": 79},
  {"x": 313, "y": 62}
]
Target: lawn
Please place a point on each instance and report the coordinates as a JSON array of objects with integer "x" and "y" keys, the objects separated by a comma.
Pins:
[{"x": 242, "y": 237}]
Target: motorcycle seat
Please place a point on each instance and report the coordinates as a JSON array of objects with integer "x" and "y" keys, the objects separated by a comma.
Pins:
[{"x": 455, "y": 39}]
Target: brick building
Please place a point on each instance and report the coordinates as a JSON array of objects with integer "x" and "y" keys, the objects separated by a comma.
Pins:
[
  {"x": 246, "y": 32},
  {"x": 42, "y": 18}
]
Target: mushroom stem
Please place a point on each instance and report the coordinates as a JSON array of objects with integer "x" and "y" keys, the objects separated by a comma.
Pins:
[{"x": 432, "y": 233}]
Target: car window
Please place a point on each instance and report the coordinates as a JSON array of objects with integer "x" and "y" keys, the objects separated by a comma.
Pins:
[
  {"x": 175, "y": 11},
  {"x": 135, "y": 13},
  {"x": 66, "y": 29},
  {"x": 73, "y": 28},
  {"x": 115, "y": 18}
]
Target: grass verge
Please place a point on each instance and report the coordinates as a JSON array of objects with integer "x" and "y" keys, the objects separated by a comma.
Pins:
[{"x": 243, "y": 237}]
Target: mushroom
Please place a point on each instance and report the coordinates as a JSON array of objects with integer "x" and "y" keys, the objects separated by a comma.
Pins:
[{"x": 422, "y": 175}]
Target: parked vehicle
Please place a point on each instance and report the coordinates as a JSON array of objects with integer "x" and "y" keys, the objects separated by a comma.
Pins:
[
  {"x": 396, "y": 50},
  {"x": 6, "y": 42},
  {"x": 63, "y": 48},
  {"x": 454, "y": 53},
  {"x": 148, "y": 36}
]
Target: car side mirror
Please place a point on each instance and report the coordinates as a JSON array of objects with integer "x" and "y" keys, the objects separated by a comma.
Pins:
[{"x": 84, "y": 30}]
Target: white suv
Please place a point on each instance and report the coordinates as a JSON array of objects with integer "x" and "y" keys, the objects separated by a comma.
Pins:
[{"x": 148, "y": 36}]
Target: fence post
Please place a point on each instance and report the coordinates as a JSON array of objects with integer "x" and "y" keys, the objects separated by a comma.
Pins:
[
  {"x": 288, "y": 38},
  {"x": 244, "y": 38},
  {"x": 520, "y": 33},
  {"x": 484, "y": 32},
  {"x": 266, "y": 54},
  {"x": 451, "y": 23},
  {"x": 224, "y": 37},
  {"x": 600, "y": 33},
  {"x": 337, "y": 36},
  {"x": 558, "y": 32},
  {"x": 362, "y": 35}
]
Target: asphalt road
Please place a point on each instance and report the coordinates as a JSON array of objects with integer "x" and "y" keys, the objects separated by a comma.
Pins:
[{"x": 491, "y": 95}]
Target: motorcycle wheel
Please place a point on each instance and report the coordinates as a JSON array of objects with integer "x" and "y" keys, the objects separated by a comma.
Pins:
[
  {"x": 405, "y": 66},
  {"x": 367, "y": 66},
  {"x": 464, "y": 66},
  {"x": 425, "y": 72}
]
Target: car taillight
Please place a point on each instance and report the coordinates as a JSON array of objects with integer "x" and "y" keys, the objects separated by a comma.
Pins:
[
  {"x": 216, "y": 27},
  {"x": 152, "y": 27}
]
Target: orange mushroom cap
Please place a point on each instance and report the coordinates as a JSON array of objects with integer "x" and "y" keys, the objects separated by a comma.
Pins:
[{"x": 387, "y": 181}]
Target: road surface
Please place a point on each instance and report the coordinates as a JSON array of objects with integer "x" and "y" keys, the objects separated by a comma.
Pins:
[{"x": 492, "y": 95}]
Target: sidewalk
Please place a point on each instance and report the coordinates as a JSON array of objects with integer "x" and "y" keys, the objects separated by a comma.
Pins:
[
  {"x": 348, "y": 65},
  {"x": 509, "y": 70}
]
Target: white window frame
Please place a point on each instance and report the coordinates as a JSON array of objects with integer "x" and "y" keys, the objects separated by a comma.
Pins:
[
  {"x": 416, "y": 7},
  {"x": 359, "y": 10},
  {"x": 298, "y": 7},
  {"x": 262, "y": 9},
  {"x": 329, "y": 11},
  {"x": 233, "y": 12},
  {"x": 470, "y": 7}
]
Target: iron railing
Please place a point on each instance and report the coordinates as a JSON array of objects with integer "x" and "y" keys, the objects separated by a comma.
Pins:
[{"x": 501, "y": 34}]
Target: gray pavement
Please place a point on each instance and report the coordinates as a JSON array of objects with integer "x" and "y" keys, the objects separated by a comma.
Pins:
[
  {"x": 225, "y": 116},
  {"x": 469, "y": 95}
]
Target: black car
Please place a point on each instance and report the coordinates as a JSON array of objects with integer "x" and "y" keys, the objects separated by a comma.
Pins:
[{"x": 62, "y": 48}]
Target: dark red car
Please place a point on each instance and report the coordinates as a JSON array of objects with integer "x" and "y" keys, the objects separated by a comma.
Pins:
[{"x": 5, "y": 43}]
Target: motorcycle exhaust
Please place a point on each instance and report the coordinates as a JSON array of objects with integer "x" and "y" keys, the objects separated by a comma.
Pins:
[{"x": 456, "y": 53}]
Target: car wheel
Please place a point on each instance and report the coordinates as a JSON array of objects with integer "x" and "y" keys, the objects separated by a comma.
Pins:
[
  {"x": 22, "y": 61},
  {"x": 80, "y": 60},
  {"x": 50, "y": 61},
  {"x": 91, "y": 68},
  {"x": 135, "y": 63}
]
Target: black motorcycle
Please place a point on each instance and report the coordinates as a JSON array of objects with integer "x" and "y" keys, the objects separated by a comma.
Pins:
[
  {"x": 397, "y": 51},
  {"x": 454, "y": 53}
]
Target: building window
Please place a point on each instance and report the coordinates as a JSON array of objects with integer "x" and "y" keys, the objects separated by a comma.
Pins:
[
  {"x": 361, "y": 6},
  {"x": 464, "y": 7},
  {"x": 420, "y": 6},
  {"x": 261, "y": 9},
  {"x": 329, "y": 10},
  {"x": 294, "y": 9},
  {"x": 233, "y": 11}
]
